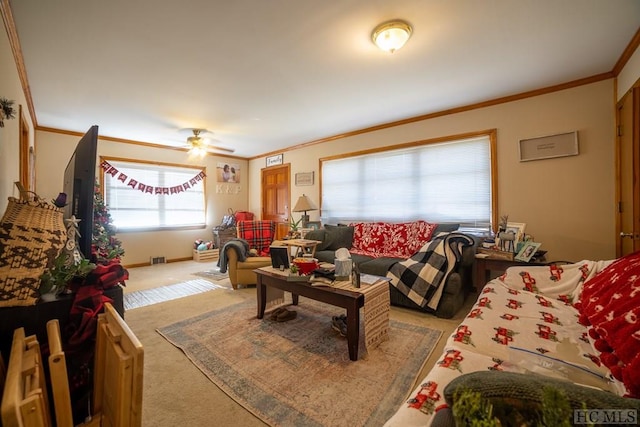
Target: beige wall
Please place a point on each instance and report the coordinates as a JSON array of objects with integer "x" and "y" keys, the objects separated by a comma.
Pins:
[
  {"x": 54, "y": 150},
  {"x": 11, "y": 89},
  {"x": 567, "y": 203}
]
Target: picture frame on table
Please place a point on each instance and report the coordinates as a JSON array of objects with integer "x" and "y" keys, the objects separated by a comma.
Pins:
[
  {"x": 527, "y": 251},
  {"x": 279, "y": 257},
  {"x": 518, "y": 229},
  {"x": 314, "y": 225}
]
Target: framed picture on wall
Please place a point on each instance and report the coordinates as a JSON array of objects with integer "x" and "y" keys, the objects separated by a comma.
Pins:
[{"x": 304, "y": 178}]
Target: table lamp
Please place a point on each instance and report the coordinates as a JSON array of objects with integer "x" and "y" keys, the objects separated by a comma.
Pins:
[{"x": 303, "y": 205}]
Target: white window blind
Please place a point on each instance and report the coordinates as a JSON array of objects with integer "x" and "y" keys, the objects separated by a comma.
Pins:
[
  {"x": 437, "y": 182},
  {"x": 132, "y": 209}
]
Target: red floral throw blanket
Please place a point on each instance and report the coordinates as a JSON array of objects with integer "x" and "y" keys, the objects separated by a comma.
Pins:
[
  {"x": 384, "y": 239},
  {"x": 610, "y": 307}
]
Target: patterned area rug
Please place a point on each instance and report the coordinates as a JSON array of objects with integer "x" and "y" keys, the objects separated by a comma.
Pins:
[
  {"x": 213, "y": 274},
  {"x": 167, "y": 293},
  {"x": 298, "y": 372}
]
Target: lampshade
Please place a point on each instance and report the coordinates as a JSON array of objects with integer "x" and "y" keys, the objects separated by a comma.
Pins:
[
  {"x": 391, "y": 36},
  {"x": 303, "y": 205}
]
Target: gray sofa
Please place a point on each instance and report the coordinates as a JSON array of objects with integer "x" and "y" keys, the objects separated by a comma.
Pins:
[{"x": 456, "y": 288}]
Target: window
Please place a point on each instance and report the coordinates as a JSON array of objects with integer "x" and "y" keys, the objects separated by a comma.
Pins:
[
  {"x": 151, "y": 196},
  {"x": 439, "y": 181}
]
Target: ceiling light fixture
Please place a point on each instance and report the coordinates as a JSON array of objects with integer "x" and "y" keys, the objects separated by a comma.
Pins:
[
  {"x": 392, "y": 35},
  {"x": 197, "y": 143}
]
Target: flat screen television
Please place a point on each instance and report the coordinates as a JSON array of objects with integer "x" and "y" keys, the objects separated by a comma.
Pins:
[{"x": 79, "y": 185}]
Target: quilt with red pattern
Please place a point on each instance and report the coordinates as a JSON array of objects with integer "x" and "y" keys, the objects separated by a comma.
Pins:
[{"x": 527, "y": 321}]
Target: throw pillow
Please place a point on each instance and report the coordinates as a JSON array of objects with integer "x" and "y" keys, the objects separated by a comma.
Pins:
[
  {"x": 610, "y": 305},
  {"x": 368, "y": 237},
  {"x": 418, "y": 234},
  {"x": 445, "y": 228},
  {"x": 338, "y": 236},
  {"x": 320, "y": 235}
]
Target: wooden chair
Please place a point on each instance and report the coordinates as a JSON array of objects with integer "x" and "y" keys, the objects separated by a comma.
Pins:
[
  {"x": 118, "y": 374},
  {"x": 24, "y": 400}
]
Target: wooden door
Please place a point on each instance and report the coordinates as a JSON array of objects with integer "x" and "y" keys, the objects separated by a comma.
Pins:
[
  {"x": 628, "y": 159},
  {"x": 276, "y": 195}
]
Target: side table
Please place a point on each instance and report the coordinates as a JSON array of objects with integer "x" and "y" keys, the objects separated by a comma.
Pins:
[
  {"x": 301, "y": 245},
  {"x": 489, "y": 268}
]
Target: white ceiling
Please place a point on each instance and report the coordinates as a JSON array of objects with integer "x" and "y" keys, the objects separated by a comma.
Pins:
[{"x": 266, "y": 75}]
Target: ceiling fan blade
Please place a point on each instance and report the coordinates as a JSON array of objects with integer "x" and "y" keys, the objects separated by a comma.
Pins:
[
  {"x": 218, "y": 148},
  {"x": 198, "y": 138}
]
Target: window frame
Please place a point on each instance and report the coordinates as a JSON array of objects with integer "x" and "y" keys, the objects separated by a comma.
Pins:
[
  {"x": 491, "y": 134},
  {"x": 103, "y": 190}
]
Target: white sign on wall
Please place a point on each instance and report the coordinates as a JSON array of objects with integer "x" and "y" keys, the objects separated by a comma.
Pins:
[
  {"x": 547, "y": 147},
  {"x": 274, "y": 160}
]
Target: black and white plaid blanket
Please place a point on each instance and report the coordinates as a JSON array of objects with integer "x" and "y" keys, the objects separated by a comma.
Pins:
[{"x": 421, "y": 276}]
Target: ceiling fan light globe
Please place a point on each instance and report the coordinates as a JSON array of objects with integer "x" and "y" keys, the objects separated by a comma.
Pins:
[{"x": 198, "y": 151}]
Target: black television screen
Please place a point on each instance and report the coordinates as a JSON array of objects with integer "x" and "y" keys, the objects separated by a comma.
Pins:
[{"x": 79, "y": 185}]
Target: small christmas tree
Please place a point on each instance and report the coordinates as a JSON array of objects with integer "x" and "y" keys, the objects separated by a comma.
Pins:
[{"x": 105, "y": 246}]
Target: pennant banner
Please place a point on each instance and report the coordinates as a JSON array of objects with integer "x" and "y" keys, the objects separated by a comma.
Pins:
[{"x": 108, "y": 169}]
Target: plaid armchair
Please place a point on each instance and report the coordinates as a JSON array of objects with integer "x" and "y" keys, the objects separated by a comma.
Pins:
[{"x": 259, "y": 235}]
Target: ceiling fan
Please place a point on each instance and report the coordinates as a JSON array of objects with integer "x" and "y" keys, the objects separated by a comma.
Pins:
[{"x": 200, "y": 145}]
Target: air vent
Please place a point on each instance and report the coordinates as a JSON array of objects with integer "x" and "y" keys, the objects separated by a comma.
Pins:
[{"x": 158, "y": 260}]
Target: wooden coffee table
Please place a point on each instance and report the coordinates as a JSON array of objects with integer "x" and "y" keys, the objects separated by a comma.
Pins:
[{"x": 351, "y": 301}]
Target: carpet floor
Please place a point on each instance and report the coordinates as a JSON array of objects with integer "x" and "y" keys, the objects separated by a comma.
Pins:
[
  {"x": 298, "y": 372},
  {"x": 146, "y": 297}
]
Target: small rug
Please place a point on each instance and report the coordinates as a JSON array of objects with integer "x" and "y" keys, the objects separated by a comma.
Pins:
[
  {"x": 213, "y": 274},
  {"x": 298, "y": 372},
  {"x": 167, "y": 293}
]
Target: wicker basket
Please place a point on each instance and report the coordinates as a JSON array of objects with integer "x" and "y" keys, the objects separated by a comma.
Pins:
[{"x": 32, "y": 234}]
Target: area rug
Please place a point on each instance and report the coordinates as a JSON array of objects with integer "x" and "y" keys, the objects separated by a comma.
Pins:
[
  {"x": 298, "y": 372},
  {"x": 213, "y": 274},
  {"x": 167, "y": 293}
]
